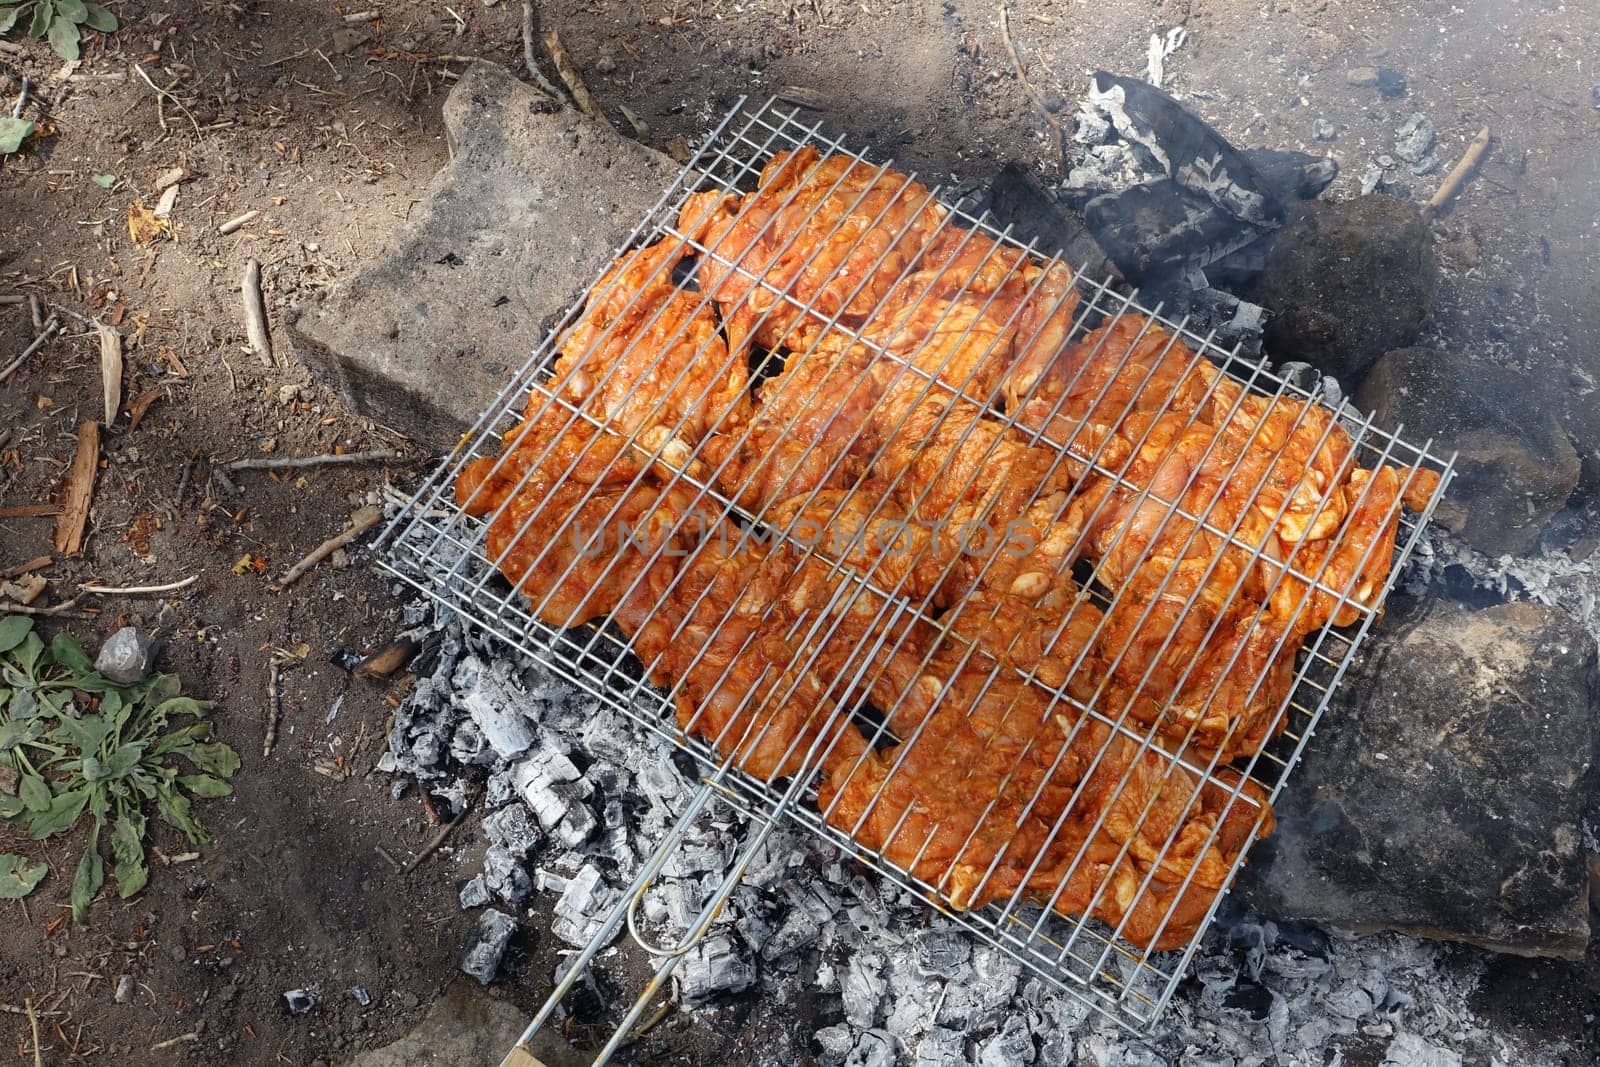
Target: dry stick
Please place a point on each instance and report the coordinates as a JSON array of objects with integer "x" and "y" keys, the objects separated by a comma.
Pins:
[
  {"x": 80, "y": 491},
  {"x": 1458, "y": 175},
  {"x": 10, "y": 299},
  {"x": 33, "y": 1020},
  {"x": 381, "y": 455},
  {"x": 61, "y": 610},
  {"x": 274, "y": 666},
  {"x": 1027, "y": 86},
  {"x": 30, "y": 511},
  {"x": 139, "y": 590},
  {"x": 545, "y": 85},
  {"x": 364, "y": 519},
  {"x": 38, "y": 342},
  {"x": 193, "y": 1035},
  {"x": 238, "y": 221},
  {"x": 36, "y": 311},
  {"x": 160, "y": 92},
  {"x": 110, "y": 370},
  {"x": 569, "y": 75},
  {"x": 255, "y": 313},
  {"x": 437, "y": 839}
]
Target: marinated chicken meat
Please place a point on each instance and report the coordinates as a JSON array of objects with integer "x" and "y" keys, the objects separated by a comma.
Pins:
[{"x": 1017, "y": 595}]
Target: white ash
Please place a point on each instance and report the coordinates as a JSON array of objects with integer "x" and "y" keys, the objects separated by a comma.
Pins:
[
  {"x": 1573, "y": 585},
  {"x": 893, "y": 982}
]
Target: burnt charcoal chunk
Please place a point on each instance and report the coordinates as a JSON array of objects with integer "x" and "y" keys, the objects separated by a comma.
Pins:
[
  {"x": 1449, "y": 802},
  {"x": 486, "y": 945},
  {"x": 1347, "y": 282},
  {"x": 1158, "y": 228},
  {"x": 1017, "y": 200},
  {"x": 1515, "y": 467}
]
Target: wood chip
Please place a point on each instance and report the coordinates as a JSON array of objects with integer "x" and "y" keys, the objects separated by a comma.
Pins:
[
  {"x": 800, "y": 96},
  {"x": 140, "y": 405},
  {"x": 170, "y": 178},
  {"x": 74, "y": 518},
  {"x": 36, "y": 563},
  {"x": 169, "y": 199},
  {"x": 110, "y": 371}
]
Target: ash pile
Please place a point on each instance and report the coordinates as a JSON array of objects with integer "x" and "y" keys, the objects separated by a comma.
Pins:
[{"x": 570, "y": 798}]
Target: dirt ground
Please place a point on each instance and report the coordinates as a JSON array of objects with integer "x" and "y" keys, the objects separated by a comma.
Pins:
[{"x": 276, "y": 107}]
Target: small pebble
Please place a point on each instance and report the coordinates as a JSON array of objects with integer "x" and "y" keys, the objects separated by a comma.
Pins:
[
  {"x": 124, "y": 991},
  {"x": 1323, "y": 130}
]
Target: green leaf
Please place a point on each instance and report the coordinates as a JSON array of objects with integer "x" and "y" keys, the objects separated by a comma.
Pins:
[
  {"x": 64, "y": 37},
  {"x": 13, "y": 628},
  {"x": 72, "y": 9},
  {"x": 65, "y": 649},
  {"x": 34, "y": 792},
  {"x": 185, "y": 706},
  {"x": 101, "y": 19},
  {"x": 104, "y": 181},
  {"x": 62, "y": 813},
  {"x": 27, "y": 654},
  {"x": 8, "y": 18},
  {"x": 215, "y": 758},
  {"x": 84, "y": 733},
  {"x": 43, "y": 14},
  {"x": 127, "y": 849},
  {"x": 114, "y": 766},
  {"x": 18, "y": 877},
  {"x": 11, "y": 807},
  {"x": 178, "y": 813},
  {"x": 90, "y": 876},
  {"x": 181, "y": 738},
  {"x": 204, "y": 785},
  {"x": 17, "y": 733},
  {"x": 110, "y": 705}
]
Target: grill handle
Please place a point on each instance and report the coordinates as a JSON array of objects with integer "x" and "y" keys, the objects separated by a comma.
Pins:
[{"x": 625, "y": 911}]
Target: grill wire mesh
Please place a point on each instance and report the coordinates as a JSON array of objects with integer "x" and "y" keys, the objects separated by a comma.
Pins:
[{"x": 434, "y": 545}]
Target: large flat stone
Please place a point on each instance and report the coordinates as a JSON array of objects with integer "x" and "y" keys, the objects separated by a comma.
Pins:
[
  {"x": 534, "y": 201},
  {"x": 1443, "y": 795}
]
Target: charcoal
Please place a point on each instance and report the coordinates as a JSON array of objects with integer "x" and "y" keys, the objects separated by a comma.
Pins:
[
  {"x": 486, "y": 945},
  {"x": 940, "y": 952},
  {"x": 469, "y": 746},
  {"x": 576, "y": 825},
  {"x": 1018, "y": 201},
  {"x": 874, "y": 1048},
  {"x": 1292, "y": 175},
  {"x": 546, "y": 780},
  {"x": 398, "y": 787},
  {"x": 1012, "y": 1046},
  {"x": 1156, "y": 228},
  {"x": 1414, "y": 142},
  {"x": 1323, "y": 130},
  {"x": 660, "y": 780},
  {"x": 127, "y": 656},
  {"x": 683, "y": 901},
  {"x": 513, "y": 829},
  {"x": 798, "y": 929},
  {"x": 474, "y": 893},
  {"x": 940, "y": 1047},
  {"x": 863, "y": 988},
  {"x": 504, "y": 877},
  {"x": 912, "y": 997},
  {"x": 715, "y": 965},
  {"x": 299, "y": 1001},
  {"x": 836, "y": 1042},
  {"x": 699, "y": 857},
  {"x": 500, "y": 789},
  {"x": 1190, "y": 152},
  {"x": 494, "y": 699},
  {"x": 360, "y": 995},
  {"x": 582, "y": 907}
]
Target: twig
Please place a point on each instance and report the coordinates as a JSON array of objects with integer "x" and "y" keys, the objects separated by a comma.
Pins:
[
  {"x": 163, "y": 92},
  {"x": 33, "y": 1020},
  {"x": 61, "y": 610},
  {"x": 192, "y": 1035},
  {"x": 1458, "y": 175},
  {"x": 30, "y": 511},
  {"x": 36, "y": 311},
  {"x": 381, "y": 455},
  {"x": 80, "y": 490},
  {"x": 22, "y": 98},
  {"x": 545, "y": 85},
  {"x": 274, "y": 668},
  {"x": 641, "y": 128},
  {"x": 255, "y": 313},
  {"x": 438, "y": 839},
  {"x": 569, "y": 75},
  {"x": 1027, "y": 86},
  {"x": 139, "y": 590},
  {"x": 31, "y": 565},
  {"x": 385, "y": 853},
  {"x": 38, "y": 342},
  {"x": 363, "y": 520},
  {"x": 227, "y": 483},
  {"x": 237, "y": 222},
  {"x": 361, "y": 16}
]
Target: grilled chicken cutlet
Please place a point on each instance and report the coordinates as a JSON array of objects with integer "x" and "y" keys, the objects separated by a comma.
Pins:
[{"x": 820, "y": 237}]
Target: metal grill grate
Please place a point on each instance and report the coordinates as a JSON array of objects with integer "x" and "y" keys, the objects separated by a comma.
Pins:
[{"x": 444, "y": 552}]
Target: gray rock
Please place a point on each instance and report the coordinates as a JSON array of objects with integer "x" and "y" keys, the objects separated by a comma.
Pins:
[
  {"x": 1447, "y": 799},
  {"x": 1323, "y": 130},
  {"x": 486, "y": 945},
  {"x": 715, "y": 965},
  {"x": 127, "y": 656},
  {"x": 1347, "y": 282},
  {"x": 1413, "y": 141},
  {"x": 532, "y": 204},
  {"x": 1516, "y": 467}
]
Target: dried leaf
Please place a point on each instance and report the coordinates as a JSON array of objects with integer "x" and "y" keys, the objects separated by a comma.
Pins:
[
  {"x": 110, "y": 371},
  {"x": 143, "y": 225},
  {"x": 139, "y": 531}
]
